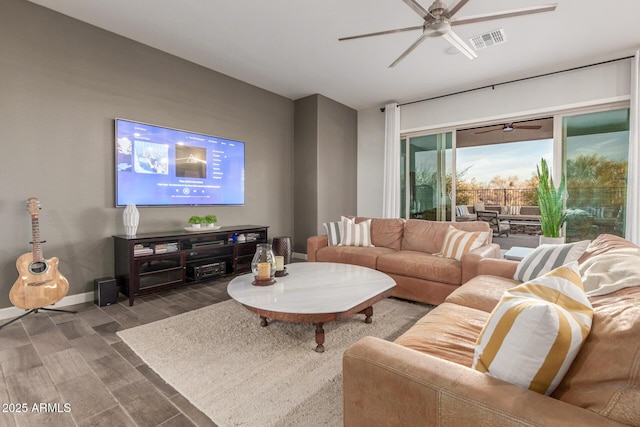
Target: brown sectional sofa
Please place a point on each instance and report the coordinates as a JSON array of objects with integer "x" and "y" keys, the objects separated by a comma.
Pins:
[
  {"x": 404, "y": 250},
  {"x": 424, "y": 378}
]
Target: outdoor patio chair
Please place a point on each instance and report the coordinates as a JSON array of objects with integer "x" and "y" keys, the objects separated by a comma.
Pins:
[{"x": 499, "y": 227}]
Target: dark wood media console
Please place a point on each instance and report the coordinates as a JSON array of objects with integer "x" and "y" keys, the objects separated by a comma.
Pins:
[{"x": 150, "y": 262}]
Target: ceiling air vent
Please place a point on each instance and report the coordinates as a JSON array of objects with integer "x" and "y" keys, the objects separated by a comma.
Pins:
[{"x": 488, "y": 39}]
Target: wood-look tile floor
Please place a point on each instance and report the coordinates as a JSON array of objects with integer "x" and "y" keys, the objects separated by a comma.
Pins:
[{"x": 60, "y": 369}]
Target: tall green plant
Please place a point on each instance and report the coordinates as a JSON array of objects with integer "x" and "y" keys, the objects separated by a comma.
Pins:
[{"x": 550, "y": 201}]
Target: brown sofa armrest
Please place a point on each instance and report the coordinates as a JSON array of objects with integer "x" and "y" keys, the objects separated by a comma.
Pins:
[
  {"x": 471, "y": 260},
  {"x": 313, "y": 244},
  {"x": 387, "y": 384},
  {"x": 497, "y": 267}
]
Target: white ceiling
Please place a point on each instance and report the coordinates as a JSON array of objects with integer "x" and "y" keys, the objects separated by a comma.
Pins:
[{"x": 291, "y": 47}]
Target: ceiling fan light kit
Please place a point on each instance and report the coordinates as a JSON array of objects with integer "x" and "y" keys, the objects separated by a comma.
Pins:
[{"x": 439, "y": 19}]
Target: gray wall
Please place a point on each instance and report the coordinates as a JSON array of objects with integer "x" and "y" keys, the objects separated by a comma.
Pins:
[
  {"x": 305, "y": 171},
  {"x": 62, "y": 84},
  {"x": 325, "y": 165}
]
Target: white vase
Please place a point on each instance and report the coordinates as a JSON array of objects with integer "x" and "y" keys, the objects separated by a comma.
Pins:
[
  {"x": 130, "y": 219},
  {"x": 551, "y": 240}
]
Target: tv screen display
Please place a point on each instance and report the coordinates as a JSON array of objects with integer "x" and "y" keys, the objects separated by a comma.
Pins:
[{"x": 159, "y": 166}]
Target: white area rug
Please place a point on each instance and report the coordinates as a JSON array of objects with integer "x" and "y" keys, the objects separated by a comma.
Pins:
[{"x": 241, "y": 374}]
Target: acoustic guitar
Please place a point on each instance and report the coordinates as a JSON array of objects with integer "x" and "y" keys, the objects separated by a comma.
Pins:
[{"x": 39, "y": 283}]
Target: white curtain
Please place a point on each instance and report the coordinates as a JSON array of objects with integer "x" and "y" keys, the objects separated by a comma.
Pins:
[
  {"x": 632, "y": 231},
  {"x": 391, "y": 187}
]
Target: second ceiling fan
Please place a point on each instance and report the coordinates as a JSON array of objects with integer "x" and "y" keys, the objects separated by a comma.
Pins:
[
  {"x": 439, "y": 19},
  {"x": 508, "y": 127}
]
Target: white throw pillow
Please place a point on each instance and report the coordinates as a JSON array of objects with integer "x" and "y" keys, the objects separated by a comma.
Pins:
[
  {"x": 479, "y": 206},
  {"x": 355, "y": 234},
  {"x": 535, "y": 332},
  {"x": 611, "y": 271},
  {"x": 547, "y": 257},
  {"x": 457, "y": 243}
]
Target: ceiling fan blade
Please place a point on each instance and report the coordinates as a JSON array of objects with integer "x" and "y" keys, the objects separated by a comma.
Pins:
[
  {"x": 409, "y": 50},
  {"x": 487, "y": 131},
  {"x": 503, "y": 14},
  {"x": 459, "y": 44},
  {"x": 456, "y": 8},
  {"x": 380, "y": 33},
  {"x": 533, "y": 127},
  {"x": 413, "y": 4}
]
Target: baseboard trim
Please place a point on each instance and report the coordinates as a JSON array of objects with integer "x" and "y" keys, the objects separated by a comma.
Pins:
[{"x": 10, "y": 312}]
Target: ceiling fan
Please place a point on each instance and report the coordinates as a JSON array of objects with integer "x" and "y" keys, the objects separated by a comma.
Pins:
[
  {"x": 508, "y": 127},
  {"x": 438, "y": 20}
]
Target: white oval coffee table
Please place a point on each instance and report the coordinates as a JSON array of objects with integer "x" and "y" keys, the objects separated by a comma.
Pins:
[{"x": 314, "y": 292}]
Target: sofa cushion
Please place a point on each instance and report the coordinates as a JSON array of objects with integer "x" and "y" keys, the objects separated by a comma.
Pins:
[
  {"x": 448, "y": 332},
  {"x": 548, "y": 257},
  {"x": 386, "y": 232},
  {"x": 334, "y": 232},
  {"x": 355, "y": 234},
  {"x": 422, "y": 266},
  {"x": 481, "y": 292},
  {"x": 366, "y": 257},
  {"x": 427, "y": 236},
  {"x": 536, "y": 330},
  {"x": 605, "y": 376},
  {"x": 458, "y": 243},
  {"x": 530, "y": 211},
  {"x": 478, "y": 206}
]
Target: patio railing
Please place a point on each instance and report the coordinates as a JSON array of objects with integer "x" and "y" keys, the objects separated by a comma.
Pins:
[{"x": 578, "y": 196}]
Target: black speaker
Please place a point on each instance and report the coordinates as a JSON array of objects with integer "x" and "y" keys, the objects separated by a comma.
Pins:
[{"x": 106, "y": 290}]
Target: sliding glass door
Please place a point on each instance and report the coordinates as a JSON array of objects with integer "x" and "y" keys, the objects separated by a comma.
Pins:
[
  {"x": 595, "y": 159},
  {"x": 591, "y": 149},
  {"x": 426, "y": 176}
]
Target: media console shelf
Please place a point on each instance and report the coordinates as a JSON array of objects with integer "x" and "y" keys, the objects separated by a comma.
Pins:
[{"x": 150, "y": 262}]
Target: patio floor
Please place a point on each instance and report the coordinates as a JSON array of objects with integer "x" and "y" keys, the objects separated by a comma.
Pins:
[{"x": 522, "y": 240}]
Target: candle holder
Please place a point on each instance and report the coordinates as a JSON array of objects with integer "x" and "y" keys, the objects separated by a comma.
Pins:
[
  {"x": 281, "y": 270},
  {"x": 263, "y": 265},
  {"x": 282, "y": 273}
]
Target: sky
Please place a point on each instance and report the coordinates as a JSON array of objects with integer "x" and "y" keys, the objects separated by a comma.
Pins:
[{"x": 515, "y": 158}]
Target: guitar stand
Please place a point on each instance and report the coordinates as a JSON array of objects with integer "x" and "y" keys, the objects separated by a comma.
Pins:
[{"x": 35, "y": 310}]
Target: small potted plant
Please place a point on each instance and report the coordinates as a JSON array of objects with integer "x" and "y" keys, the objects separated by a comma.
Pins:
[
  {"x": 195, "y": 221},
  {"x": 551, "y": 203},
  {"x": 210, "y": 220}
]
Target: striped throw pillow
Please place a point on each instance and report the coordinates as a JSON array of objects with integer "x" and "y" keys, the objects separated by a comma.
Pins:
[
  {"x": 462, "y": 210},
  {"x": 334, "y": 232},
  {"x": 536, "y": 330},
  {"x": 514, "y": 210},
  {"x": 547, "y": 257},
  {"x": 355, "y": 234},
  {"x": 458, "y": 243}
]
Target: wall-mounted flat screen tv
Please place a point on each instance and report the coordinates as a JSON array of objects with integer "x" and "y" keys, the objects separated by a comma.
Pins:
[{"x": 159, "y": 166}]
